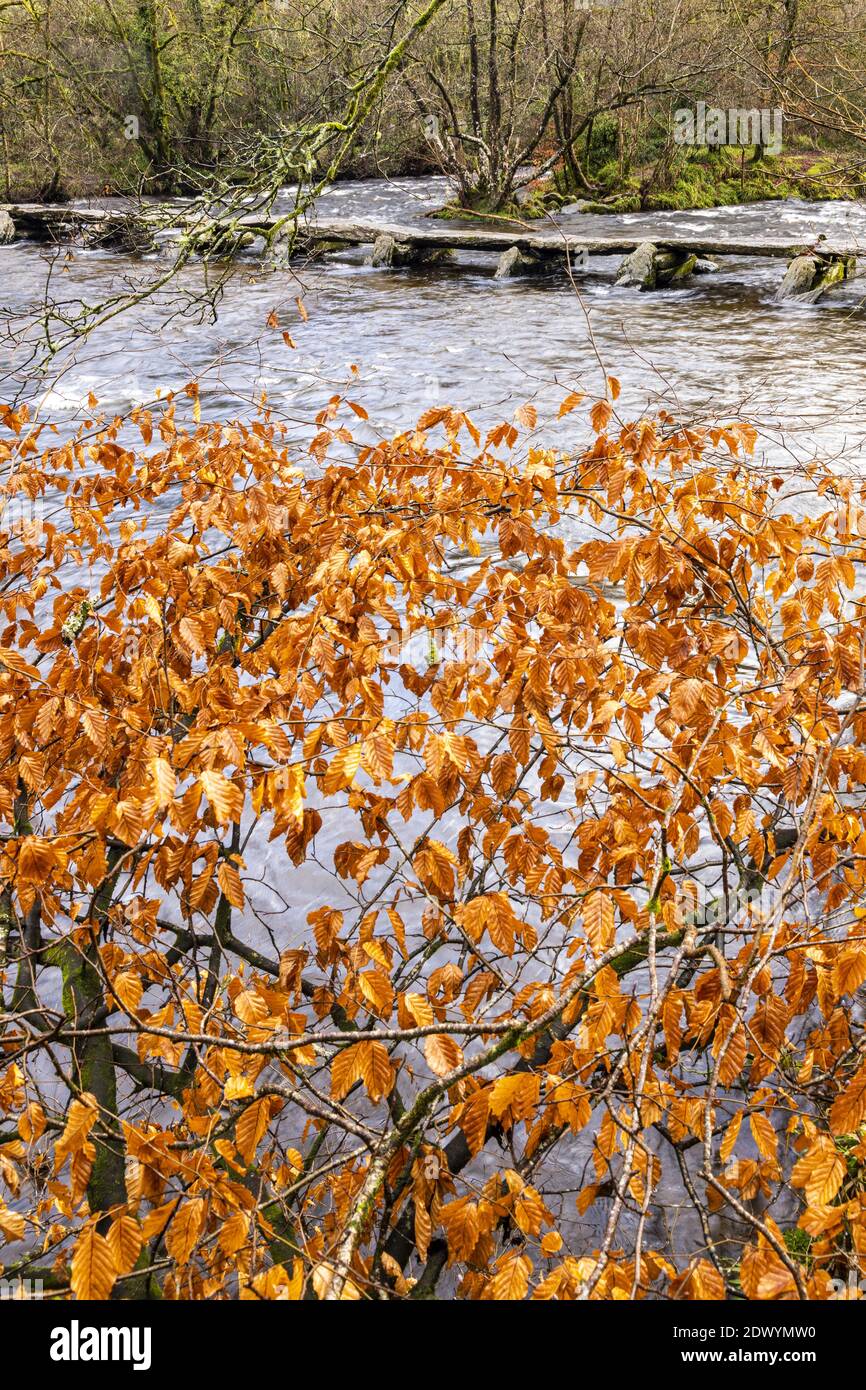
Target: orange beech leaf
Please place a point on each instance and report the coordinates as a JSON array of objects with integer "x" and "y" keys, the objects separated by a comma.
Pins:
[
  {"x": 93, "y": 1269},
  {"x": 443, "y": 1053}
]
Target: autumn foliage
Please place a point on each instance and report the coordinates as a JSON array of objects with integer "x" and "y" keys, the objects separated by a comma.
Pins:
[{"x": 432, "y": 869}]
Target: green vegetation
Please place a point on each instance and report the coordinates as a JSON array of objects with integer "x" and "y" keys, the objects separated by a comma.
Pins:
[
  {"x": 703, "y": 178},
  {"x": 798, "y": 1244},
  {"x": 709, "y": 178}
]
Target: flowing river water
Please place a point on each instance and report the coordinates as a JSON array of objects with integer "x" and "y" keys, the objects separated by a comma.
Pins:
[{"x": 720, "y": 347}]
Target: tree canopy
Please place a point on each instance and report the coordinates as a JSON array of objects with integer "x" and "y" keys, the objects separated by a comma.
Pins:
[{"x": 384, "y": 826}]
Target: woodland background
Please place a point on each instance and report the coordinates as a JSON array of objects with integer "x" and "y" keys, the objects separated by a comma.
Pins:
[{"x": 490, "y": 86}]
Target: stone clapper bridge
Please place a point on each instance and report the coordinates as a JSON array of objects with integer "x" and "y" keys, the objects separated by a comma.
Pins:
[{"x": 669, "y": 260}]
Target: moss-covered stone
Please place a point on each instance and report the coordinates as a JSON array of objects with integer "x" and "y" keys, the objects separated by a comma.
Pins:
[{"x": 811, "y": 275}]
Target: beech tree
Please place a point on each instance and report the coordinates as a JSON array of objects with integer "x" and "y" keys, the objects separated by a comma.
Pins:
[{"x": 386, "y": 829}]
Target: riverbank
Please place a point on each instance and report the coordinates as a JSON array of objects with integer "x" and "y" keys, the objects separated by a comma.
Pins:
[
  {"x": 702, "y": 178},
  {"x": 699, "y": 178}
]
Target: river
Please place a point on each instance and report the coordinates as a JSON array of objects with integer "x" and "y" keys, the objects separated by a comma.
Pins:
[{"x": 719, "y": 346}]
